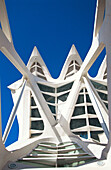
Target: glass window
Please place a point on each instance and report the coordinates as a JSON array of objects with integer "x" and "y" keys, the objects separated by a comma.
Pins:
[
  {"x": 54, "y": 117},
  {"x": 65, "y": 87},
  {"x": 35, "y": 113},
  {"x": 79, "y": 110},
  {"x": 37, "y": 125},
  {"x": 88, "y": 99},
  {"x": 106, "y": 104},
  {"x": 52, "y": 108},
  {"x": 105, "y": 74},
  {"x": 105, "y": 71},
  {"x": 33, "y": 64},
  {"x": 33, "y": 102},
  {"x": 82, "y": 134},
  {"x": 32, "y": 69},
  {"x": 48, "y": 98},
  {"x": 40, "y": 70},
  {"x": 94, "y": 122},
  {"x": 80, "y": 99},
  {"x": 103, "y": 96},
  {"x": 99, "y": 86},
  {"x": 46, "y": 88},
  {"x": 77, "y": 67},
  {"x": 77, "y": 123},
  {"x": 63, "y": 97},
  {"x": 71, "y": 63},
  {"x": 76, "y": 62},
  {"x": 70, "y": 69},
  {"x": 94, "y": 134},
  {"x": 81, "y": 91},
  {"x": 38, "y": 64},
  {"x": 35, "y": 135},
  {"x": 85, "y": 90},
  {"x": 91, "y": 110},
  {"x": 105, "y": 77}
]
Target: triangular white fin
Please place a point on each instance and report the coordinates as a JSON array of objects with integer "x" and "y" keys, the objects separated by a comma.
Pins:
[
  {"x": 72, "y": 56},
  {"x": 36, "y": 57},
  {"x": 35, "y": 52},
  {"x": 73, "y": 50}
]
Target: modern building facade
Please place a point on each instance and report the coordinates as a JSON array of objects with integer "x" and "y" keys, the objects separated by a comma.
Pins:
[{"x": 63, "y": 122}]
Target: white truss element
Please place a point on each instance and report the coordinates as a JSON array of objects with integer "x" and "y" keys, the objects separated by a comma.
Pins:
[{"x": 62, "y": 122}]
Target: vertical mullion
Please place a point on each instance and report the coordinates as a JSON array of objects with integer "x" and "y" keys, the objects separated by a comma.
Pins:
[{"x": 86, "y": 113}]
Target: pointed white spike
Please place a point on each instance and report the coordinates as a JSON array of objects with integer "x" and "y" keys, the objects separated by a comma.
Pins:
[
  {"x": 73, "y": 50},
  {"x": 35, "y": 52},
  {"x": 73, "y": 55}
]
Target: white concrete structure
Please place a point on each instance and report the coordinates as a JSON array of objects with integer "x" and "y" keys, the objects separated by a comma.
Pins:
[{"x": 62, "y": 122}]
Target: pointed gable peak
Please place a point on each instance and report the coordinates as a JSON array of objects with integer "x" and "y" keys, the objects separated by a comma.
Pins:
[
  {"x": 35, "y": 52},
  {"x": 35, "y": 56},
  {"x": 73, "y": 50}
]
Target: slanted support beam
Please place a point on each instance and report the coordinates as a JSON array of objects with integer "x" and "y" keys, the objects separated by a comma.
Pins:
[
  {"x": 4, "y": 21},
  {"x": 8, "y": 50},
  {"x": 91, "y": 57},
  {"x": 70, "y": 104},
  {"x": 71, "y": 101},
  {"x": 96, "y": 106},
  {"x": 3, "y": 152},
  {"x": 99, "y": 16},
  {"x": 13, "y": 114}
]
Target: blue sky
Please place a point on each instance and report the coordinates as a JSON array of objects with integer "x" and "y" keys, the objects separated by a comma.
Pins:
[{"x": 51, "y": 25}]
